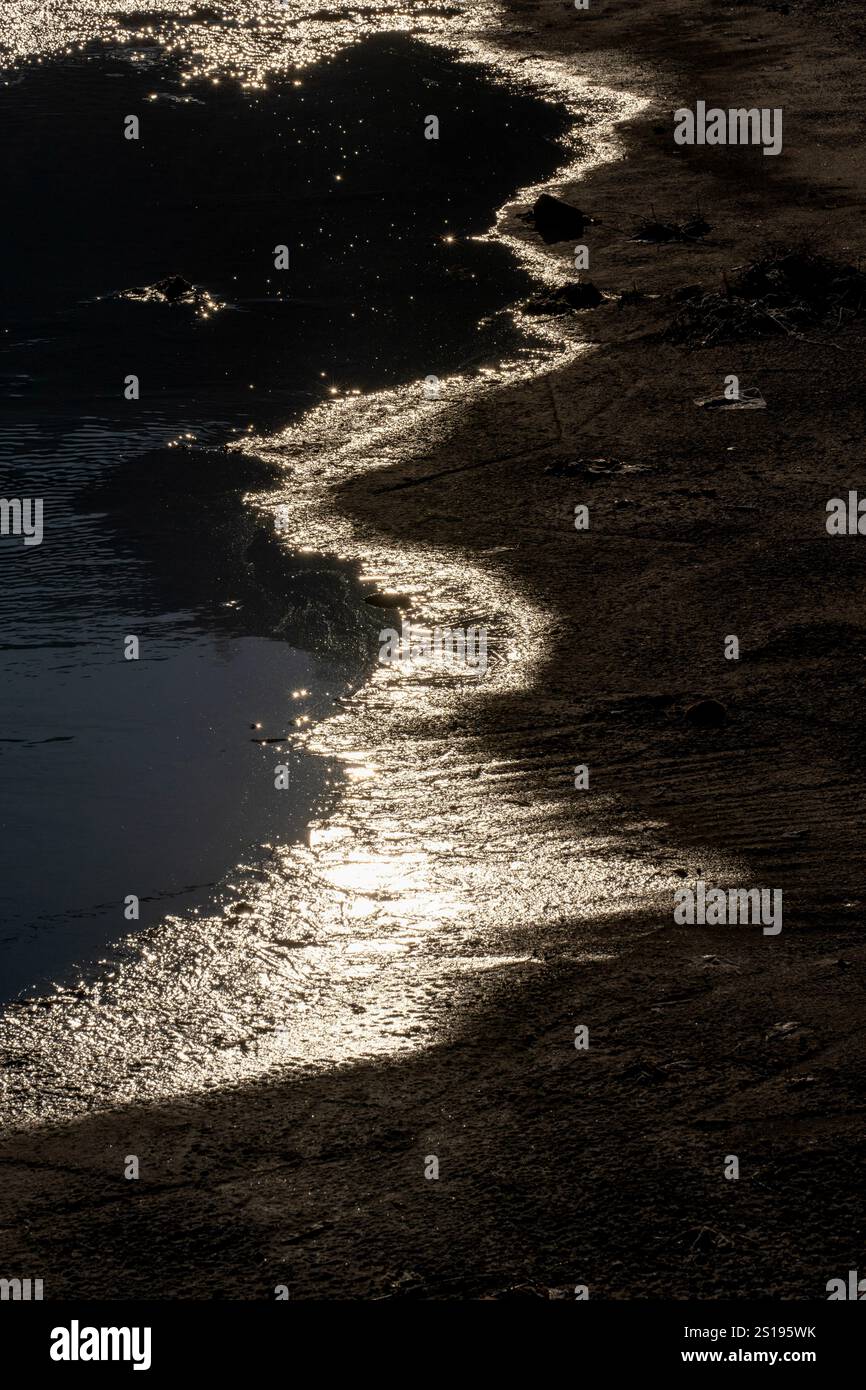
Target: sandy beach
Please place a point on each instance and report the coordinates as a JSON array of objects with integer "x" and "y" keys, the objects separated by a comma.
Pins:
[{"x": 603, "y": 1167}]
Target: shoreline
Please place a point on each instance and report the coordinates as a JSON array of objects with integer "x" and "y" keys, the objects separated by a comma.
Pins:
[
  {"x": 315, "y": 1007},
  {"x": 602, "y": 1168},
  {"x": 271, "y": 941}
]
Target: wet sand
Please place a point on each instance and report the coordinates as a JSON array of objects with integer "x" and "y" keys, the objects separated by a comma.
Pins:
[{"x": 603, "y": 1167}]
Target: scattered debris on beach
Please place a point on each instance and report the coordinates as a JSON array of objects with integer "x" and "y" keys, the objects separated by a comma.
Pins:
[
  {"x": 626, "y": 299},
  {"x": 782, "y": 293},
  {"x": 594, "y": 469},
  {"x": 748, "y": 398},
  {"x": 695, "y": 228},
  {"x": 581, "y": 294}
]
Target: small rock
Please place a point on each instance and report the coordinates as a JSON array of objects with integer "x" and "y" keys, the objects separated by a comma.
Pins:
[
  {"x": 656, "y": 232},
  {"x": 706, "y": 1239},
  {"x": 555, "y": 220},
  {"x": 706, "y": 714},
  {"x": 694, "y": 229},
  {"x": 582, "y": 294}
]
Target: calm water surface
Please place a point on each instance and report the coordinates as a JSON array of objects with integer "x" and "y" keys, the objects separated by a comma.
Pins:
[{"x": 149, "y": 777}]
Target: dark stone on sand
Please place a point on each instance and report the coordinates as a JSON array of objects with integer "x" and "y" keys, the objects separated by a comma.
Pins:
[
  {"x": 706, "y": 714},
  {"x": 655, "y": 232},
  {"x": 693, "y": 229},
  {"x": 555, "y": 220},
  {"x": 583, "y": 294}
]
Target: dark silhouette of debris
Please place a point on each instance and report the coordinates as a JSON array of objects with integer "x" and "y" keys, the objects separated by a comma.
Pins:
[
  {"x": 693, "y": 229},
  {"x": 783, "y": 292},
  {"x": 582, "y": 294}
]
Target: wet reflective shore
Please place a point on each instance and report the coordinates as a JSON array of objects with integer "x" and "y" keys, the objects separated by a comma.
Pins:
[{"x": 304, "y": 928}]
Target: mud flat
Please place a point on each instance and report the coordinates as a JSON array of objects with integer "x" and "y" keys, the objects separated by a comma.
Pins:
[{"x": 559, "y": 1167}]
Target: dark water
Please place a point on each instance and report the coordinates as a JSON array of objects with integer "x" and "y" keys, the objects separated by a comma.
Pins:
[{"x": 143, "y": 777}]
